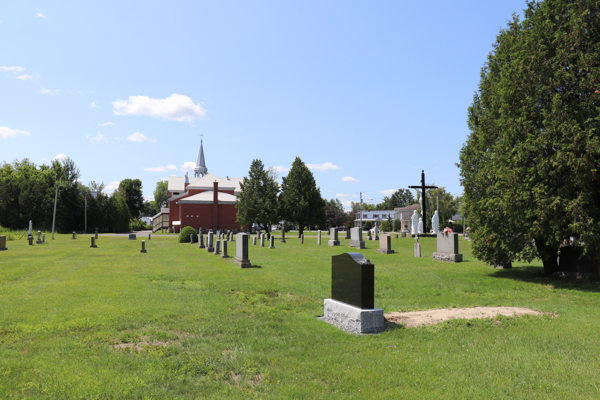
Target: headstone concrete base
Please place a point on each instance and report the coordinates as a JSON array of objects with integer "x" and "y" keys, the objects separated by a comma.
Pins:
[
  {"x": 242, "y": 263},
  {"x": 385, "y": 251},
  {"x": 353, "y": 319},
  {"x": 333, "y": 243},
  {"x": 447, "y": 257},
  {"x": 358, "y": 244}
]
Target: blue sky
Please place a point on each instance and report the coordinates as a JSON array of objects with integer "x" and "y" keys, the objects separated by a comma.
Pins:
[{"x": 366, "y": 93}]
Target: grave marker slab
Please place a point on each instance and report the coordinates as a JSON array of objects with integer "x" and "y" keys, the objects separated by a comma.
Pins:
[
  {"x": 385, "y": 244},
  {"x": 352, "y": 303},
  {"x": 132, "y": 236},
  {"x": 3, "y": 243},
  {"x": 74, "y": 236},
  {"x": 333, "y": 237},
  {"x": 254, "y": 240},
  {"x": 93, "y": 242},
  {"x": 318, "y": 238},
  {"x": 209, "y": 243},
  {"x": 262, "y": 240},
  {"x": 39, "y": 238},
  {"x": 143, "y": 246},
  {"x": 241, "y": 250},
  {"x": 224, "y": 255},
  {"x": 417, "y": 249},
  {"x": 302, "y": 239},
  {"x": 356, "y": 239},
  {"x": 272, "y": 242},
  {"x": 447, "y": 248},
  {"x": 217, "y": 248},
  {"x": 201, "y": 241}
]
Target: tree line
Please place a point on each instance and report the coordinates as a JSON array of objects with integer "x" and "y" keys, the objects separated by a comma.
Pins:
[
  {"x": 298, "y": 200},
  {"x": 28, "y": 191}
]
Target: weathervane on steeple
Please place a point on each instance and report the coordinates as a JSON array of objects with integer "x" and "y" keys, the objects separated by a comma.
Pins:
[{"x": 200, "y": 169}]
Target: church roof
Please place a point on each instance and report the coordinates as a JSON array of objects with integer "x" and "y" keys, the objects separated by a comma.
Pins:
[
  {"x": 207, "y": 198},
  {"x": 200, "y": 163},
  {"x": 177, "y": 183}
]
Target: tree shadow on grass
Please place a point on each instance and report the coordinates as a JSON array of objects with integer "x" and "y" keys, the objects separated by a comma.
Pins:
[{"x": 535, "y": 274}]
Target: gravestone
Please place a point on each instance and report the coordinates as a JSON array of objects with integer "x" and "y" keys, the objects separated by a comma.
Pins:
[
  {"x": 352, "y": 303},
  {"x": 272, "y": 242},
  {"x": 241, "y": 250},
  {"x": 356, "y": 239},
  {"x": 447, "y": 248},
  {"x": 230, "y": 236},
  {"x": 192, "y": 239},
  {"x": 254, "y": 241},
  {"x": 262, "y": 240},
  {"x": 417, "y": 248},
  {"x": 210, "y": 243},
  {"x": 93, "y": 242},
  {"x": 318, "y": 237},
  {"x": 149, "y": 236},
  {"x": 132, "y": 236},
  {"x": 333, "y": 237},
  {"x": 143, "y": 246},
  {"x": 225, "y": 245},
  {"x": 39, "y": 238},
  {"x": 30, "y": 239},
  {"x": 43, "y": 238},
  {"x": 385, "y": 244},
  {"x": 201, "y": 241},
  {"x": 217, "y": 248},
  {"x": 348, "y": 234},
  {"x": 302, "y": 239},
  {"x": 74, "y": 236},
  {"x": 282, "y": 235},
  {"x": 30, "y": 233},
  {"x": 369, "y": 235},
  {"x": 376, "y": 229},
  {"x": 3, "y": 243}
]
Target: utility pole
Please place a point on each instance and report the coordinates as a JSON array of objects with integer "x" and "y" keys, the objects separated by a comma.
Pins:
[
  {"x": 85, "y": 212},
  {"x": 361, "y": 202}
]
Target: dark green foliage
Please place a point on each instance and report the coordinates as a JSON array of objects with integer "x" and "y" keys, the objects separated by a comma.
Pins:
[
  {"x": 530, "y": 167},
  {"x": 334, "y": 212},
  {"x": 27, "y": 193},
  {"x": 367, "y": 225},
  {"x": 131, "y": 191},
  {"x": 300, "y": 198},
  {"x": 257, "y": 201},
  {"x": 186, "y": 233},
  {"x": 448, "y": 204},
  {"x": 138, "y": 225},
  {"x": 401, "y": 198}
]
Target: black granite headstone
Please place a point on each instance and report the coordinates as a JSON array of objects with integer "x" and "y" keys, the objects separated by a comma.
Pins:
[
  {"x": 353, "y": 280},
  {"x": 571, "y": 260}
]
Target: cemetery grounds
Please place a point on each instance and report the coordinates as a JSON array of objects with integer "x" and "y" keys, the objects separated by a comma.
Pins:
[{"x": 178, "y": 322}]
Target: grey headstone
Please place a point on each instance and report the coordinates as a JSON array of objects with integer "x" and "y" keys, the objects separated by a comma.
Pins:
[
  {"x": 318, "y": 238},
  {"x": 217, "y": 248},
  {"x": 225, "y": 245},
  {"x": 447, "y": 248},
  {"x": 241, "y": 250},
  {"x": 272, "y": 242},
  {"x": 356, "y": 239},
  {"x": 3, "y": 243},
  {"x": 93, "y": 242},
  {"x": 210, "y": 243}
]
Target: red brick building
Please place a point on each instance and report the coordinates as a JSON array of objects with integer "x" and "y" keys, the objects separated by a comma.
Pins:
[{"x": 204, "y": 201}]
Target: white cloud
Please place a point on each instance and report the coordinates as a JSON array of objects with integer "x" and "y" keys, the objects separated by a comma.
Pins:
[
  {"x": 26, "y": 77},
  {"x": 60, "y": 156},
  {"x": 98, "y": 138},
  {"x": 281, "y": 168},
  {"x": 160, "y": 168},
  {"x": 48, "y": 91},
  {"x": 40, "y": 15},
  {"x": 354, "y": 195},
  {"x": 387, "y": 192},
  {"x": 341, "y": 195},
  {"x": 139, "y": 137},
  {"x": 111, "y": 186},
  {"x": 94, "y": 104},
  {"x": 177, "y": 107},
  {"x": 347, "y": 204},
  {"x": 106, "y": 124},
  {"x": 6, "y": 132},
  {"x": 327, "y": 166},
  {"x": 188, "y": 166},
  {"x": 349, "y": 179},
  {"x": 11, "y": 69}
]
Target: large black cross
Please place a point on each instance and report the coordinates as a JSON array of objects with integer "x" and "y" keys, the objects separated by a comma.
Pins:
[{"x": 424, "y": 210}]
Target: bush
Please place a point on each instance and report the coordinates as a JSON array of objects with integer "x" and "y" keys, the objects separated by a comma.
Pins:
[
  {"x": 367, "y": 226},
  {"x": 386, "y": 226},
  {"x": 186, "y": 233},
  {"x": 138, "y": 225}
]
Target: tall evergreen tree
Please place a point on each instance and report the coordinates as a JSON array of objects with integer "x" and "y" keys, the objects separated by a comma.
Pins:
[
  {"x": 531, "y": 164},
  {"x": 257, "y": 201},
  {"x": 300, "y": 197},
  {"x": 130, "y": 190}
]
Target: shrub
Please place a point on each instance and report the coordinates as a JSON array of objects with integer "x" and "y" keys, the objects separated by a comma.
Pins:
[
  {"x": 139, "y": 225},
  {"x": 367, "y": 226},
  {"x": 186, "y": 233}
]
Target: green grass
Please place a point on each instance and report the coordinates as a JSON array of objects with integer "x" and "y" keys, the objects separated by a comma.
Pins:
[{"x": 177, "y": 322}]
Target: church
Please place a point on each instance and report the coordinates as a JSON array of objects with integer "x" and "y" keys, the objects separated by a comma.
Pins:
[{"x": 204, "y": 201}]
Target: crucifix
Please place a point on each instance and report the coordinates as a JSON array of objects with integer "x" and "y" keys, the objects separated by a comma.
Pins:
[
  {"x": 201, "y": 136},
  {"x": 424, "y": 210}
]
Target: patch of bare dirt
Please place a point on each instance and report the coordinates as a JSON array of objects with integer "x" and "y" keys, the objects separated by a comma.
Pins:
[
  {"x": 138, "y": 346},
  {"x": 430, "y": 317}
]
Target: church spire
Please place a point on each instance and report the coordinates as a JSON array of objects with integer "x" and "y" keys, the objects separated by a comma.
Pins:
[{"x": 200, "y": 169}]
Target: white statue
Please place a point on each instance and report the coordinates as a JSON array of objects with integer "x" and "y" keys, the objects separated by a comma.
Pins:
[
  {"x": 435, "y": 223},
  {"x": 30, "y": 228},
  {"x": 420, "y": 225},
  {"x": 415, "y": 222}
]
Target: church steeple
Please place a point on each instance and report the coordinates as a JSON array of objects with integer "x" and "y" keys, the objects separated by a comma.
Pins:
[{"x": 200, "y": 169}]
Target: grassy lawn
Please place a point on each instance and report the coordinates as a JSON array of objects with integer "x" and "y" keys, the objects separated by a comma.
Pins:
[{"x": 179, "y": 323}]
